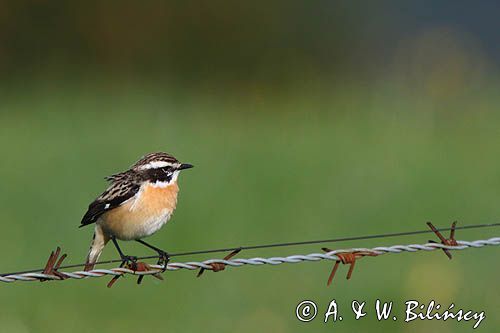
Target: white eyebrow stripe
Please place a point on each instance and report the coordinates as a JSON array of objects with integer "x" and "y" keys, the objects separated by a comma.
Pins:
[{"x": 155, "y": 165}]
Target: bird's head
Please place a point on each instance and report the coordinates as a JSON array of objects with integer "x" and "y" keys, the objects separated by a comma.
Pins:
[{"x": 160, "y": 168}]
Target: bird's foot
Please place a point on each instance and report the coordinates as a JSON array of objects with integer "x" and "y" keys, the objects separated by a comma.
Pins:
[
  {"x": 129, "y": 261},
  {"x": 163, "y": 259}
]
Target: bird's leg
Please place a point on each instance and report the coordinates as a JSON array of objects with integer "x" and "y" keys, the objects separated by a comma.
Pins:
[
  {"x": 130, "y": 260},
  {"x": 163, "y": 257}
]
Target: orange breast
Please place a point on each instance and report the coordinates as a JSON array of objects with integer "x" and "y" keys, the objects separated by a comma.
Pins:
[
  {"x": 143, "y": 214},
  {"x": 154, "y": 198}
]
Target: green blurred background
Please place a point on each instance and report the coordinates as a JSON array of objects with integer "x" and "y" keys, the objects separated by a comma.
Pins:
[{"x": 305, "y": 120}]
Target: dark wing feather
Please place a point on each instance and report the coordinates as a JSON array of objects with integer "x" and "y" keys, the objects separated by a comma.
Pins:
[
  {"x": 114, "y": 196},
  {"x": 117, "y": 177}
]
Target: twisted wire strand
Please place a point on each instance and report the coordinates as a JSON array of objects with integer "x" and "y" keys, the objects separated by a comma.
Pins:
[
  {"x": 206, "y": 264},
  {"x": 273, "y": 245}
]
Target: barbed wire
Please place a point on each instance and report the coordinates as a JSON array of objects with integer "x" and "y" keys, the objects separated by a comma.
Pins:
[
  {"x": 212, "y": 264},
  {"x": 273, "y": 245}
]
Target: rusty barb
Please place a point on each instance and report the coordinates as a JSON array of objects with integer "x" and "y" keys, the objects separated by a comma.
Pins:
[
  {"x": 346, "y": 258},
  {"x": 350, "y": 257},
  {"x": 218, "y": 266},
  {"x": 445, "y": 241},
  {"x": 54, "y": 262},
  {"x": 137, "y": 266},
  {"x": 53, "y": 265}
]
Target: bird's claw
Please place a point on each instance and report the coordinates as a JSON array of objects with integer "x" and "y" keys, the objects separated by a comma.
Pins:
[
  {"x": 163, "y": 259},
  {"x": 130, "y": 262}
]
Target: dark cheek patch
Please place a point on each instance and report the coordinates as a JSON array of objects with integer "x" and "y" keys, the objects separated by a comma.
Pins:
[{"x": 159, "y": 175}]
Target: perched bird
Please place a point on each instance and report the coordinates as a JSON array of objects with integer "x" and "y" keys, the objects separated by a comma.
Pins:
[{"x": 136, "y": 204}]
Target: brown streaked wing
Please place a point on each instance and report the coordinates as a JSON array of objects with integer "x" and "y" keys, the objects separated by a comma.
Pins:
[{"x": 117, "y": 193}]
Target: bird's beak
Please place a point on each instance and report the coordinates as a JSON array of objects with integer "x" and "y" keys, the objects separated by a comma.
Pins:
[{"x": 185, "y": 166}]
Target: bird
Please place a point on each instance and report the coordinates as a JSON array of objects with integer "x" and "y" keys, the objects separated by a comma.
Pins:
[{"x": 135, "y": 205}]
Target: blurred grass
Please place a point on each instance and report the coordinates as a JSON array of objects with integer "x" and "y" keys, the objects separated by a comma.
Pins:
[{"x": 308, "y": 164}]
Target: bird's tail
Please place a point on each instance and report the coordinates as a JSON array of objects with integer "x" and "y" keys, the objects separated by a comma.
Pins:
[{"x": 98, "y": 242}]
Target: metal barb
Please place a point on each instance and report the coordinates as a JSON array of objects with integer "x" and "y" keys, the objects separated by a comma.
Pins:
[
  {"x": 53, "y": 264},
  {"x": 216, "y": 266},
  {"x": 445, "y": 241},
  {"x": 346, "y": 258},
  {"x": 137, "y": 266}
]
